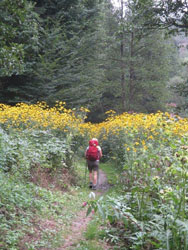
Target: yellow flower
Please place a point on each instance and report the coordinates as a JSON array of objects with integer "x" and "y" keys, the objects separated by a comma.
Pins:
[{"x": 143, "y": 142}]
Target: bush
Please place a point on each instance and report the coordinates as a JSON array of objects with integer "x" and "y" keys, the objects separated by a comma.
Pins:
[{"x": 20, "y": 150}]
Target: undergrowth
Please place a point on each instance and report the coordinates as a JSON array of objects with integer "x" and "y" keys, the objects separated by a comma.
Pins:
[
  {"x": 148, "y": 154},
  {"x": 32, "y": 217}
]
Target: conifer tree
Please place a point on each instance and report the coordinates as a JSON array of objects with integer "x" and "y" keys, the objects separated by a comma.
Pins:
[
  {"x": 70, "y": 66},
  {"x": 19, "y": 35},
  {"x": 141, "y": 56}
]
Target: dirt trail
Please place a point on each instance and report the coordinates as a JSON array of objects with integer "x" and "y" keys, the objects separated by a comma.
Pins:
[
  {"x": 79, "y": 225},
  {"x": 103, "y": 184}
]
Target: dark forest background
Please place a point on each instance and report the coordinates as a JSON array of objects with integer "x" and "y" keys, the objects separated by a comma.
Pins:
[{"x": 92, "y": 54}]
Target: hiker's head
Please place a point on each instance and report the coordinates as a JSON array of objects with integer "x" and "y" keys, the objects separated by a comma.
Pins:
[
  {"x": 94, "y": 139},
  {"x": 93, "y": 142}
]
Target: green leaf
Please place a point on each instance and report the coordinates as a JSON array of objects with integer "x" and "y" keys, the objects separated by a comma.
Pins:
[{"x": 89, "y": 210}]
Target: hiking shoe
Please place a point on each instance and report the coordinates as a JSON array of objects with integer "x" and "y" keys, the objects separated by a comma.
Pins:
[
  {"x": 90, "y": 185},
  {"x": 94, "y": 187}
]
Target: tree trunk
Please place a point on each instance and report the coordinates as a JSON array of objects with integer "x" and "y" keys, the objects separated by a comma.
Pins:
[
  {"x": 131, "y": 71},
  {"x": 122, "y": 48}
]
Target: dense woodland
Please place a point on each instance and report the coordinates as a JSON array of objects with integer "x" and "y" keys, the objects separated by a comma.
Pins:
[{"x": 95, "y": 54}]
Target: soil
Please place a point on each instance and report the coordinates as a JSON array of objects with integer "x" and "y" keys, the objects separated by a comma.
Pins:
[
  {"x": 53, "y": 180},
  {"x": 103, "y": 184}
]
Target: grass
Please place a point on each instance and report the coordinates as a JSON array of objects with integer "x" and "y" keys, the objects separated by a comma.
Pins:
[
  {"x": 108, "y": 168},
  {"x": 111, "y": 173},
  {"x": 91, "y": 235},
  {"x": 94, "y": 233},
  {"x": 64, "y": 208},
  {"x": 91, "y": 245},
  {"x": 82, "y": 172},
  {"x": 32, "y": 217}
]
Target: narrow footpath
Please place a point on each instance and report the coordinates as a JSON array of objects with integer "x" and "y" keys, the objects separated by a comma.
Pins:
[{"x": 79, "y": 225}]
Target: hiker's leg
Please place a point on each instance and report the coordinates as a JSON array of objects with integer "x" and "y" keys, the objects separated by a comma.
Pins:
[
  {"x": 90, "y": 177},
  {"x": 90, "y": 168},
  {"x": 94, "y": 177},
  {"x": 95, "y": 172}
]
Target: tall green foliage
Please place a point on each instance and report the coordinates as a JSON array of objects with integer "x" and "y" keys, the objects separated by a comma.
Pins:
[
  {"x": 172, "y": 14},
  {"x": 70, "y": 67},
  {"x": 179, "y": 81},
  {"x": 19, "y": 37},
  {"x": 141, "y": 56},
  {"x": 85, "y": 53},
  {"x": 20, "y": 42}
]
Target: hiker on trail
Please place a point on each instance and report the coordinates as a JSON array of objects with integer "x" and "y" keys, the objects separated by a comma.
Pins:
[{"x": 93, "y": 154}]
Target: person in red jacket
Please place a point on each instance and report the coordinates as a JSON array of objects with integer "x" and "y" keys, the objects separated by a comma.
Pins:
[{"x": 93, "y": 154}]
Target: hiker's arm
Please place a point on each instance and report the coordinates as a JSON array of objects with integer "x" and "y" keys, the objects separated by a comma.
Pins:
[{"x": 100, "y": 153}]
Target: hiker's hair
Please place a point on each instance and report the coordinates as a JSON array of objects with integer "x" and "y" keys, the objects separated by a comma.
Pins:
[{"x": 94, "y": 139}]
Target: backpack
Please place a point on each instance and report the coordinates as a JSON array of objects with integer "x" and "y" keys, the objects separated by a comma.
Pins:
[{"x": 92, "y": 152}]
